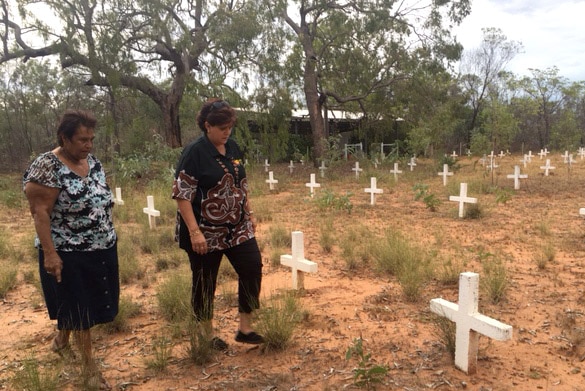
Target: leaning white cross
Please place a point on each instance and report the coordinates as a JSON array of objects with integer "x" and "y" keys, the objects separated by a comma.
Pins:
[
  {"x": 445, "y": 173},
  {"x": 118, "y": 200},
  {"x": 297, "y": 261},
  {"x": 312, "y": 184},
  {"x": 322, "y": 169},
  {"x": 469, "y": 322},
  {"x": 357, "y": 169},
  {"x": 395, "y": 171},
  {"x": 373, "y": 190},
  {"x": 151, "y": 212},
  {"x": 462, "y": 198},
  {"x": 547, "y": 167},
  {"x": 271, "y": 181},
  {"x": 517, "y": 176}
]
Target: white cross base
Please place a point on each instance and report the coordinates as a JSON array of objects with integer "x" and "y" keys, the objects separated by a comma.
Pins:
[
  {"x": 312, "y": 185},
  {"x": 469, "y": 323},
  {"x": 151, "y": 212},
  {"x": 462, "y": 198},
  {"x": 118, "y": 200},
  {"x": 297, "y": 261},
  {"x": 271, "y": 181},
  {"x": 517, "y": 176},
  {"x": 373, "y": 190}
]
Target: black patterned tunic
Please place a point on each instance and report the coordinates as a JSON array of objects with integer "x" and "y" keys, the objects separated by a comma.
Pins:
[{"x": 217, "y": 188}]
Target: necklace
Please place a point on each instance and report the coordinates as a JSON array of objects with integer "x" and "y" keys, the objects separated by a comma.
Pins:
[{"x": 235, "y": 165}]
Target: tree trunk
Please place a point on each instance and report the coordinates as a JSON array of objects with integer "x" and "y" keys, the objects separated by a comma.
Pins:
[{"x": 315, "y": 114}]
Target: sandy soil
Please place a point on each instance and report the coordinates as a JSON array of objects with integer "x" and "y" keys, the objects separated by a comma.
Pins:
[{"x": 544, "y": 305}]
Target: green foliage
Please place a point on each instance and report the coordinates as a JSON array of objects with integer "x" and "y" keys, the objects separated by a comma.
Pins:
[
  {"x": 445, "y": 330},
  {"x": 8, "y": 278},
  {"x": 127, "y": 309},
  {"x": 174, "y": 297},
  {"x": 31, "y": 378},
  {"x": 367, "y": 372},
  {"x": 503, "y": 195},
  {"x": 161, "y": 354},
  {"x": 329, "y": 200},
  {"x": 11, "y": 195},
  {"x": 279, "y": 237},
  {"x": 200, "y": 349},
  {"x": 421, "y": 191},
  {"x": 277, "y": 319},
  {"x": 495, "y": 278}
]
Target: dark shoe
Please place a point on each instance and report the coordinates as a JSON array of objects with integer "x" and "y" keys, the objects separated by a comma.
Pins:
[
  {"x": 251, "y": 338},
  {"x": 218, "y": 344}
]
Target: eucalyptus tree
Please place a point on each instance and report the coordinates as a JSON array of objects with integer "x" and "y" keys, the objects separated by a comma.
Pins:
[
  {"x": 481, "y": 67},
  {"x": 156, "y": 47},
  {"x": 346, "y": 51}
]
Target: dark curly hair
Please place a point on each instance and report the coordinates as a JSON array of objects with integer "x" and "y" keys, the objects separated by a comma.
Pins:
[
  {"x": 215, "y": 112},
  {"x": 71, "y": 121}
]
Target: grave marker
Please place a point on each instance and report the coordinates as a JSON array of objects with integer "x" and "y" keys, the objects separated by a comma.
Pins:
[
  {"x": 469, "y": 322},
  {"x": 291, "y": 167},
  {"x": 118, "y": 200},
  {"x": 266, "y": 165},
  {"x": 395, "y": 171},
  {"x": 445, "y": 173},
  {"x": 297, "y": 261},
  {"x": 312, "y": 184},
  {"x": 373, "y": 190},
  {"x": 517, "y": 176},
  {"x": 547, "y": 167},
  {"x": 271, "y": 181},
  {"x": 462, "y": 198},
  {"x": 357, "y": 169},
  {"x": 412, "y": 163},
  {"x": 151, "y": 212},
  {"x": 322, "y": 169}
]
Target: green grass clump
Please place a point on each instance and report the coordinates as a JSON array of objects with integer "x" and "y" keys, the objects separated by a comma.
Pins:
[
  {"x": 32, "y": 377},
  {"x": 277, "y": 319},
  {"x": 127, "y": 309},
  {"x": 174, "y": 297},
  {"x": 8, "y": 278}
]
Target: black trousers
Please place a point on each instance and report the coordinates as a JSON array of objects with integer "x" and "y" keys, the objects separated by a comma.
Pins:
[{"x": 246, "y": 260}]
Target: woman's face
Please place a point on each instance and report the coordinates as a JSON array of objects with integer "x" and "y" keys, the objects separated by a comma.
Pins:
[
  {"x": 80, "y": 144},
  {"x": 219, "y": 134}
]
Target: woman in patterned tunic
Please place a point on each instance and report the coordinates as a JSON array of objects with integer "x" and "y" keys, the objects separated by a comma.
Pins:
[
  {"x": 214, "y": 219},
  {"x": 72, "y": 209}
]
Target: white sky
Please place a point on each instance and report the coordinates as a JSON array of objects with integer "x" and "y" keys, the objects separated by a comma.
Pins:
[{"x": 552, "y": 33}]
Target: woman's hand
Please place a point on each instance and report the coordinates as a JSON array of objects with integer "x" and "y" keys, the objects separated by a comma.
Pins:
[
  {"x": 53, "y": 265},
  {"x": 198, "y": 242}
]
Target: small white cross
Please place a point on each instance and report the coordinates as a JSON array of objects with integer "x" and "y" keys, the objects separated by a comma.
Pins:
[
  {"x": 530, "y": 156},
  {"x": 357, "y": 169},
  {"x": 266, "y": 165},
  {"x": 271, "y": 181},
  {"x": 412, "y": 163},
  {"x": 445, "y": 173},
  {"x": 547, "y": 167},
  {"x": 502, "y": 154},
  {"x": 322, "y": 169},
  {"x": 118, "y": 200},
  {"x": 517, "y": 176},
  {"x": 581, "y": 152},
  {"x": 462, "y": 198},
  {"x": 454, "y": 154},
  {"x": 297, "y": 261},
  {"x": 373, "y": 190},
  {"x": 312, "y": 184},
  {"x": 291, "y": 167},
  {"x": 151, "y": 212},
  {"x": 469, "y": 322},
  {"x": 543, "y": 153},
  {"x": 395, "y": 171},
  {"x": 565, "y": 157}
]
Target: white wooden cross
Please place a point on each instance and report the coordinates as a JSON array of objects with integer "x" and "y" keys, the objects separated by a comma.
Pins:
[
  {"x": 382, "y": 145},
  {"x": 266, "y": 165},
  {"x": 581, "y": 152},
  {"x": 492, "y": 164},
  {"x": 376, "y": 162},
  {"x": 547, "y": 167},
  {"x": 322, "y": 169},
  {"x": 445, "y": 173},
  {"x": 396, "y": 171},
  {"x": 357, "y": 169},
  {"x": 502, "y": 154},
  {"x": 570, "y": 160},
  {"x": 462, "y": 198},
  {"x": 524, "y": 160},
  {"x": 118, "y": 200},
  {"x": 373, "y": 190},
  {"x": 151, "y": 212},
  {"x": 271, "y": 181},
  {"x": 312, "y": 184},
  {"x": 517, "y": 176},
  {"x": 454, "y": 154},
  {"x": 565, "y": 157},
  {"x": 412, "y": 163},
  {"x": 469, "y": 322},
  {"x": 297, "y": 261},
  {"x": 530, "y": 156},
  {"x": 291, "y": 167},
  {"x": 543, "y": 153}
]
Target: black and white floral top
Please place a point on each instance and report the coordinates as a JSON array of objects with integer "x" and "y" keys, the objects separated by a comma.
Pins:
[
  {"x": 81, "y": 219},
  {"x": 217, "y": 187}
]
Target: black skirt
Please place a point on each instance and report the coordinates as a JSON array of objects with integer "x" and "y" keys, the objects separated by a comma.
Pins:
[{"x": 89, "y": 290}]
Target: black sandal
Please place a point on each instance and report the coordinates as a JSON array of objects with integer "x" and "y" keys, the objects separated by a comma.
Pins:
[{"x": 251, "y": 338}]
